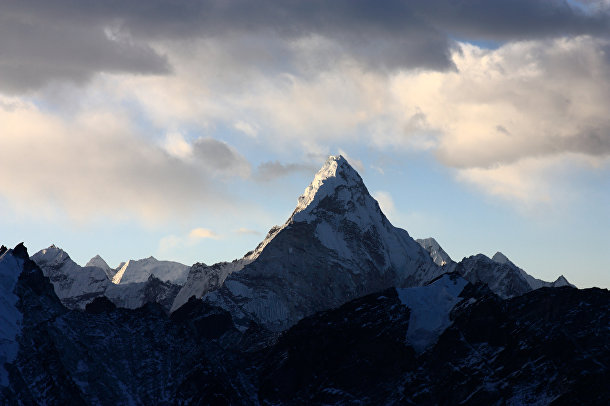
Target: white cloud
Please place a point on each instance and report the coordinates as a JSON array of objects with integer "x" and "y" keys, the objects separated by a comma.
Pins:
[
  {"x": 506, "y": 115},
  {"x": 95, "y": 165},
  {"x": 246, "y": 128},
  {"x": 499, "y": 112},
  {"x": 176, "y": 146},
  {"x": 172, "y": 242},
  {"x": 199, "y": 233}
]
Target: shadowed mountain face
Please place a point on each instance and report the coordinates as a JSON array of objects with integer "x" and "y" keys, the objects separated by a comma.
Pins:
[{"x": 550, "y": 346}]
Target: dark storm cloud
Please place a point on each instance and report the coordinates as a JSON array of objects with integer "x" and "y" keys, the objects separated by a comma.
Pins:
[
  {"x": 42, "y": 40},
  {"x": 35, "y": 51},
  {"x": 503, "y": 20}
]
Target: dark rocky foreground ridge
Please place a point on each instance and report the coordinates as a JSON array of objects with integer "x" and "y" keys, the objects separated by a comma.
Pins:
[{"x": 548, "y": 346}]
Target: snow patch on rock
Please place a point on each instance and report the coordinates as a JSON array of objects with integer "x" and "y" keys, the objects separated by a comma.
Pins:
[{"x": 430, "y": 308}]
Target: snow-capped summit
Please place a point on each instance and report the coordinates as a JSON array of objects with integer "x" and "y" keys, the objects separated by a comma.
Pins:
[
  {"x": 53, "y": 255},
  {"x": 335, "y": 173},
  {"x": 561, "y": 281},
  {"x": 501, "y": 258},
  {"x": 139, "y": 271},
  {"x": 99, "y": 262},
  {"x": 336, "y": 245},
  {"x": 73, "y": 284},
  {"x": 438, "y": 254}
]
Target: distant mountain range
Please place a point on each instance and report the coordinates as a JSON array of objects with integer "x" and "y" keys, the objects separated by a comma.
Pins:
[{"x": 335, "y": 306}]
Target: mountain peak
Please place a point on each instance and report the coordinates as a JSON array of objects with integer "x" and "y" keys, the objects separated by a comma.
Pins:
[
  {"x": 99, "y": 262},
  {"x": 561, "y": 281},
  {"x": 439, "y": 256},
  {"x": 51, "y": 255},
  {"x": 501, "y": 258},
  {"x": 334, "y": 174}
]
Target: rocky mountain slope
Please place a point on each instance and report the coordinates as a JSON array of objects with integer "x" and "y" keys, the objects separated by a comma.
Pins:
[
  {"x": 337, "y": 245},
  {"x": 449, "y": 342},
  {"x": 547, "y": 347}
]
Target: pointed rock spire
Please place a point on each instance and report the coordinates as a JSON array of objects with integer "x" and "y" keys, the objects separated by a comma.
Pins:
[
  {"x": 501, "y": 258},
  {"x": 99, "y": 262}
]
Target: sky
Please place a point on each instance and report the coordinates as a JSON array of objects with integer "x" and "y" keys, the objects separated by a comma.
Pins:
[{"x": 187, "y": 129}]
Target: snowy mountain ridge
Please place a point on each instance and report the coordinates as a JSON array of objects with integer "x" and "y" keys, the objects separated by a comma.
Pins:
[
  {"x": 139, "y": 282},
  {"x": 501, "y": 275}
]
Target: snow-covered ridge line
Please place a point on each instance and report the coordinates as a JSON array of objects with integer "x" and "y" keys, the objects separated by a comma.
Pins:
[
  {"x": 130, "y": 285},
  {"x": 500, "y": 273}
]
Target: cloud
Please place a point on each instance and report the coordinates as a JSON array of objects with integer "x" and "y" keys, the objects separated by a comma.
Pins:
[
  {"x": 199, "y": 233},
  {"x": 43, "y": 41},
  {"x": 246, "y": 128},
  {"x": 268, "y": 171},
  {"x": 220, "y": 158},
  {"x": 171, "y": 243},
  {"x": 176, "y": 146},
  {"x": 510, "y": 20},
  {"x": 307, "y": 76},
  {"x": 96, "y": 164},
  {"x": 529, "y": 99},
  {"x": 37, "y": 51},
  {"x": 505, "y": 111}
]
